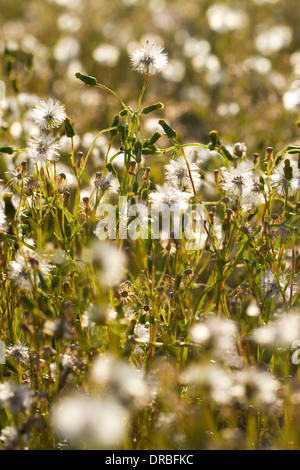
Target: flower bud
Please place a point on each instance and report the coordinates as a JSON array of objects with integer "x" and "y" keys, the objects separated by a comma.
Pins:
[
  {"x": 90, "y": 81},
  {"x": 171, "y": 133},
  {"x": 155, "y": 137},
  {"x": 288, "y": 170},
  {"x": 69, "y": 129},
  {"x": 151, "y": 108},
  {"x": 215, "y": 141}
]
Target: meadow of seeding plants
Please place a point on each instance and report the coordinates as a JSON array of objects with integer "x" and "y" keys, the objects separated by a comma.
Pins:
[{"x": 149, "y": 225}]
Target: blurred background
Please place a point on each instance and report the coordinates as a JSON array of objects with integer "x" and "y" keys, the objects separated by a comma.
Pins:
[{"x": 234, "y": 65}]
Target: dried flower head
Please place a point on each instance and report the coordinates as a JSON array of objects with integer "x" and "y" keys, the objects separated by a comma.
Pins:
[
  {"x": 19, "y": 174},
  {"x": 126, "y": 291},
  {"x": 107, "y": 183},
  {"x": 19, "y": 352},
  {"x": 149, "y": 59}
]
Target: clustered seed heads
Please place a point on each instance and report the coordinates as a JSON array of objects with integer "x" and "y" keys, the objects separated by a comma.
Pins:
[{"x": 147, "y": 305}]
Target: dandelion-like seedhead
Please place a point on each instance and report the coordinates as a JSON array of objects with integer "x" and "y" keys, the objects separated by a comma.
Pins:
[
  {"x": 49, "y": 114},
  {"x": 9, "y": 438},
  {"x": 15, "y": 397},
  {"x": 218, "y": 334},
  {"x": 103, "y": 422},
  {"x": 237, "y": 181},
  {"x": 253, "y": 196},
  {"x": 279, "y": 333},
  {"x": 270, "y": 286},
  {"x": 281, "y": 184},
  {"x": 177, "y": 174},
  {"x": 19, "y": 352},
  {"x": 170, "y": 196},
  {"x": 149, "y": 59},
  {"x": 43, "y": 149},
  {"x": 274, "y": 289},
  {"x": 107, "y": 183},
  {"x": 157, "y": 306},
  {"x": 109, "y": 262},
  {"x": 26, "y": 266}
]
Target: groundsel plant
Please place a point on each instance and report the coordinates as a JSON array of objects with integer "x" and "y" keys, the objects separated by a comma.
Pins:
[{"x": 152, "y": 303}]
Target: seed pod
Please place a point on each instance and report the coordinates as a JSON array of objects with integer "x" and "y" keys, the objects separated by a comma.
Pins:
[
  {"x": 274, "y": 216},
  {"x": 255, "y": 159},
  {"x": 80, "y": 160},
  {"x": 132, "y": 167},
  {"x": 66, "y": 198},
  {"x": 135, "y": 187},
  {"x": 218, "y": 178},
  {"x": 282, "y": 233},
  {"x": 146, "y": 175},
  {"x": 266, "y": 229},
  {"x": 269, "y": 154},
  {"x": 110, "y": 168},
  {"x": 188, "y": 272}
]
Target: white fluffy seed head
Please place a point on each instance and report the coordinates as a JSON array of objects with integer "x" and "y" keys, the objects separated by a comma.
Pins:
[
  {"x": 149, "y": 58},
  {"x": 49, "y": 114}
]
